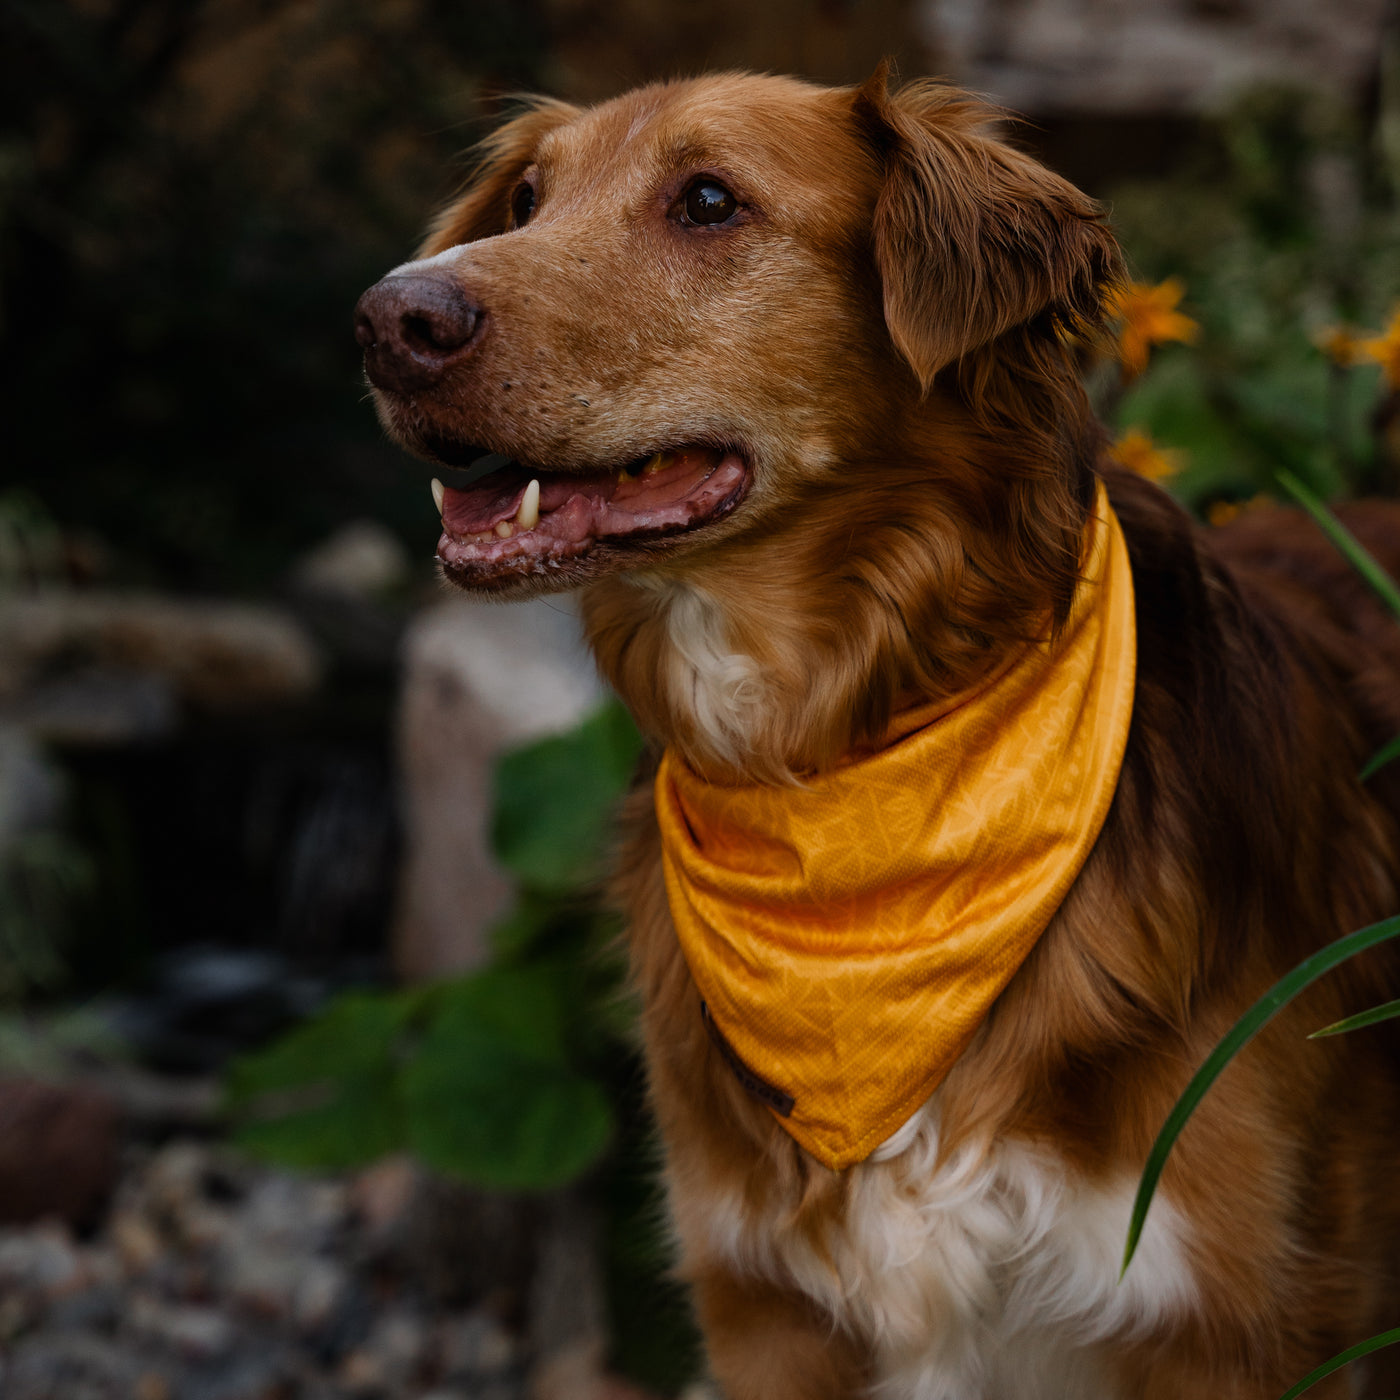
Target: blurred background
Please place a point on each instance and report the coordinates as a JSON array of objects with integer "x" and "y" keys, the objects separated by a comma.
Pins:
[{"x": 316, "y": 1078}]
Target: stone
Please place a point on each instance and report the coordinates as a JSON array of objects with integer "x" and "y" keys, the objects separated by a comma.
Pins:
[
  {"x": 382, "y": 1195},
  {"x": 474, "y": 1346},
  {"x": 1151, "y": 57},
  {"x": 317, "y": 1294},
  {"x": 478, "y": 678},
  {"x": 190, "y": 1330},
  {"x": 59, "y": 1150},
  {"x": 43, "y": 1262},
  {"x": 108, "y": 667},
  {"x": 362, "y": 559},
  {"x": 70, "y": 1366},
  {"x": 31, "y": 792}
]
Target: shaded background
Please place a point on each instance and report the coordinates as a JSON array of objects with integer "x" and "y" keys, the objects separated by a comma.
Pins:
[{"x": 246, "y": 747}]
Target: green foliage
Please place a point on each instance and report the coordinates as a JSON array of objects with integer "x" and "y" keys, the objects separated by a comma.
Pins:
[
  {"x": 42, "y": 875},
  {"x": 497, "y": 1078},
  {"x": 492, "y": 1094},
  {"x": 547, "y": 829},
  {"x": 327, "y": 1095},
  {"x": 1352, "y": 1353},
  {"x": 1240, "y": 1034},
  {"x": 1386, "y": 1012},
  {"x": 1348, "y": 546},
  {"x": 1280, "y": 228}
]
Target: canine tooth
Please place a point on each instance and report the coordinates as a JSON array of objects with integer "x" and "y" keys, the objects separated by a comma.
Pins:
[
  {"x": 504, "y": 529},
  {"x": 438, "y": 491},
  {"x": 528, "y": 516},
  {"x": 658, "y": 461}
]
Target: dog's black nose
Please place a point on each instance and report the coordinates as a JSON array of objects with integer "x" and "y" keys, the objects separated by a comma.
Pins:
[{"x": 412, "y": 326}]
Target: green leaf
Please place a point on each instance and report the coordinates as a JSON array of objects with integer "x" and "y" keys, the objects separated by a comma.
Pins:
[
  {"x": 1342, "y": 1358},
  {"x": 325, "y": 1095},
  {"x": 1386, "y": 1012},
  {"x": 1244, "y": 1030},
  {"x": 518, "y": 933},
  {"x": 1351, "y": 548},
  {"x": 490, "y": 1094},
  {"x": 1388, "y": 754},
  {"x": 555, "y": 799}
]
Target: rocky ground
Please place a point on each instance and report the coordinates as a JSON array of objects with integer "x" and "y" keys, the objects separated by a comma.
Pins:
[{"x": 208, "y": 1277}]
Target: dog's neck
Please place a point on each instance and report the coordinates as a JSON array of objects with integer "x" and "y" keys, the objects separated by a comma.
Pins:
[{"x": 794, "y": 643}]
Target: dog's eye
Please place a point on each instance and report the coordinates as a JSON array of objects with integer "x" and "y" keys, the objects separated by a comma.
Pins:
[
  {"x": 707, "y": 202},
  {"x": 522, "y": 203}
]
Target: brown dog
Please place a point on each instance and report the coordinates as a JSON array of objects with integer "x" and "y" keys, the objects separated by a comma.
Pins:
[{"x": 787, "y": 381}]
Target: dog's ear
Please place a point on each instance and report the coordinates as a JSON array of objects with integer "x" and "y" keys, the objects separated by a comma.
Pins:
[
  {"x": 971, "y": 236},
  {"x": 483, "y": 207}
]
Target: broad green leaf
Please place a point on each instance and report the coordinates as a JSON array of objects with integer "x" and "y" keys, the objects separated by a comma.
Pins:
[
  {"x": 1244, "y": 1030},
  {"x": 325, "y": 1095},
  {"x": 490, "y": 1095},
  {"x": 555, "y": 799},
  {"x": 524, "y": 928},
  {"x": 1342, "y": 1358},
  {"x": 1387, "y": 754},
  {"x": 1386, "y": 1012},
  {"x": 1351, "y": 548}
]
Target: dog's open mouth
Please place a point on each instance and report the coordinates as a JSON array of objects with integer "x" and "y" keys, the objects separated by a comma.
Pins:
[{"x": 522, "y": 520}]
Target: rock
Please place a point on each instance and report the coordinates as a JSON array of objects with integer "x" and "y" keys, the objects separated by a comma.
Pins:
[
  {"x": 475, "y": 1347},
  {"x": 381, "y": 1197},
  {"x": 70, "y": 1366},
  {"x": 59, "y": 1150},
  {"x": 478, "y": 678},
  {"x": 317, "y": 1294},
  {"x": 270, "y": 1259},
  {"x": 136, "y": 1241},
  {"x": 1153, "y": 56},
  {"x": 199, "y": 1005},
  {"x": 360, "y": 560},
  {"x": 88, "y": 667},
  {"x": 43, "y": 1262},
  {"x": 31, "y": 792},
  {"x": 187, "y": 1329}
]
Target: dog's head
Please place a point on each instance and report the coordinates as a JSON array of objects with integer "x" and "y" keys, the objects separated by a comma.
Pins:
[
  {"x": 734, "y": 327},
  {"x": 666, "y": 308}
]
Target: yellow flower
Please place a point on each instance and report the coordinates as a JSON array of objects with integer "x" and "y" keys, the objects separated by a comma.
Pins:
[
  {"x": 1149, "y": 318},
  {"x": 1341, "y": 345},
  {"x": 1136, "y": 451},
  {"x": 1385, "y": 350},
  {"x": 1222, "y": 512}
]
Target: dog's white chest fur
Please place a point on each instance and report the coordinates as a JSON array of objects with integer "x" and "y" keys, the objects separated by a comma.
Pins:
[{"x": 984, "y": 1277}]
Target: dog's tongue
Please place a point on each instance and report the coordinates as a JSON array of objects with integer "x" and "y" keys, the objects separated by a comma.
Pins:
[
  {"x": 665, "y": 491},
  {"x": 479, "y": 507}
]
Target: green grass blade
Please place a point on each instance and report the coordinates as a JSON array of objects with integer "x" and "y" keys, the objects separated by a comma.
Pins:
[
  {"x": 1244, "y": 1030},
  {"x": 1387, "y": 1012},
  {"x": 1381, "y": 757},
  {"x": 1381, "y": 1339},
  {"x": 1352, "y": 549}
]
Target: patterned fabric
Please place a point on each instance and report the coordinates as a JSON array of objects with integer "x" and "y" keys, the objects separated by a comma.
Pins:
[{"x": 850, "y": 934}]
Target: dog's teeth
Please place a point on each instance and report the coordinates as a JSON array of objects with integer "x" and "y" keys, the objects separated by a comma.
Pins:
[
  {"x": 528, "y": 516},
  {"x": 658, "y": 461},
  {"x": 438, "y": 492},
  {"x": 504, "y": 529}
]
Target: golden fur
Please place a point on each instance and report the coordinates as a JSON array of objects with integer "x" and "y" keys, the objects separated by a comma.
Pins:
[{"x": 889, "y": 331}]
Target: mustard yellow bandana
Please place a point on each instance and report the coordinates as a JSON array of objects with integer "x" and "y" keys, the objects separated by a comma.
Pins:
[{"x": 848, "y": 936}]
